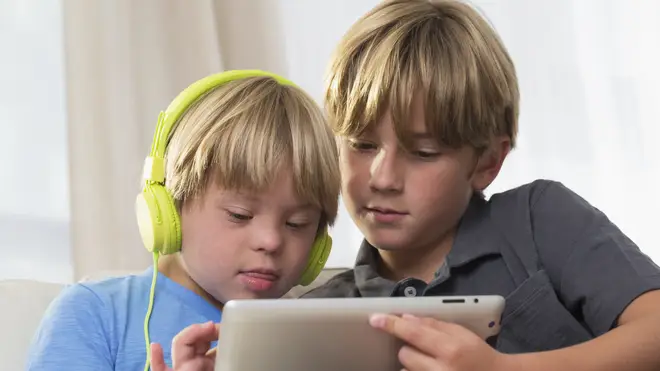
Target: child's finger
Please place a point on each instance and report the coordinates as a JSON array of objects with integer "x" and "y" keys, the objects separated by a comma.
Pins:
[
  {"x": 198, "y": 332},
  {"x": 208, "y": 333},
  {"x": 194, "y": 340},
  {"x": 157, "y": 358}
]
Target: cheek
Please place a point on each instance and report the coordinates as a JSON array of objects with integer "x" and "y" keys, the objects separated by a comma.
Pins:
[
  {"x": 302, "y": 251},
  {"x": 437, "y": 188},
  {"x": 207, "y": 258},
  {"x": 354, "y": 173},
  {"x": 201, "y": 239},
  {"x": 298, "y": 252}
]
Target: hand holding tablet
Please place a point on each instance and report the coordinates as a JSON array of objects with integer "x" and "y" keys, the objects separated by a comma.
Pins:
[{"x": 431, "y": 344}]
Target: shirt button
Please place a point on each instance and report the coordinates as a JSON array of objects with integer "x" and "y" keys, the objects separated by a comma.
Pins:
[{"x": 410, "y": 291}]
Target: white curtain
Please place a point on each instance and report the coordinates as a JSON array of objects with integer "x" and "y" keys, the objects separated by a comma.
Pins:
[
  {"x": 590, "y": 116},
  {"x": 125, "y": 61},
  {"x": 78, "y": 108},
  {"x": 34, "y": 182}
]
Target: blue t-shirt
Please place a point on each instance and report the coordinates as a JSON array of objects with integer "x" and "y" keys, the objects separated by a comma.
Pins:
[{"x": 100, "y": 326}]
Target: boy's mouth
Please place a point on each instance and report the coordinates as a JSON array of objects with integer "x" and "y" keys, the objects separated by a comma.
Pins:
[
  {"x": 259, "y": 279},
  {"x": 383, "y": 215},
  {"x": 383, "y": 210},
  {"x": 267, "y": 274}
]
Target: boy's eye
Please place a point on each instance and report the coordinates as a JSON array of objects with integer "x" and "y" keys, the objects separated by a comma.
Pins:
[
  {"x": 361, "y": 145},
  {"x": 425, "y": 154},
  {"x": 238, "y": 217},
  {"x": 296, "y": 225}
]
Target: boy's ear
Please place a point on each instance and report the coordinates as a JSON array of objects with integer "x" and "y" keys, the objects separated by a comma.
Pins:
[{"x": 490, "y": 162}]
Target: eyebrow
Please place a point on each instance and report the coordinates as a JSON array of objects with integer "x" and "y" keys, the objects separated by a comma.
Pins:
[
  {"x": 249, "y": 197},
  {"x": 244, "y": 196},
  {"x": 422, "y": 135},
  {"x": 304, "y": 206}
]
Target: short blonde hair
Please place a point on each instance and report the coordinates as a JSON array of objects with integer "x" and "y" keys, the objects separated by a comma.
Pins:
[
  {"x": 441, "y": 51},
  {"x": 242, "y": 133}
]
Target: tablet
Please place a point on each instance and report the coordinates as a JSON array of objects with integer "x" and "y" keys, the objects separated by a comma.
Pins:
[{"x": 334, "y": 334}]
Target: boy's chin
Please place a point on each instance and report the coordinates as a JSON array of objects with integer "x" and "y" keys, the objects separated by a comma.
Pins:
[{"x": 388, "y": 240}]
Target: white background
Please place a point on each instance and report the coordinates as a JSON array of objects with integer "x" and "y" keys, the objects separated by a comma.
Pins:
[{"x": 34, "y": 198}]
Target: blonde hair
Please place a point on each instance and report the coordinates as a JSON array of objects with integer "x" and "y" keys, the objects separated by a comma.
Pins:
[
  {"x": 242, "y": 133},
  {"x": 441, "y": 51}
]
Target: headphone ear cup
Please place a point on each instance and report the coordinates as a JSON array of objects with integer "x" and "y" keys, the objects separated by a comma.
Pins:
[
  {"x": 158, "y": 220},
  {"x": 317, "y": 258}
]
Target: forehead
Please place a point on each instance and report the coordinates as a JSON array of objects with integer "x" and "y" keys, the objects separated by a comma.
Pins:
[{"x": 281, "y": 191}]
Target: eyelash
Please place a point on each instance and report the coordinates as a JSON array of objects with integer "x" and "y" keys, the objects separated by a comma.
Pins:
[
  {"x": 241, "y": 218},
  {"x": 426, "y": 155},
  {"x": 238, "y": 217},
  {"x": 296, "y": 225},
  {"x": 359, "y": 146}
]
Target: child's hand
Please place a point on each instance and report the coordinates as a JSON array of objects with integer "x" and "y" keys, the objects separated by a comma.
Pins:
[
  {"x": 435, "y": 345},
  {"x": 190, "y": 349}
]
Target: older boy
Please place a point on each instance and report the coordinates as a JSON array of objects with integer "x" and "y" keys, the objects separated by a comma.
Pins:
[{"x": 424, "y": 97}]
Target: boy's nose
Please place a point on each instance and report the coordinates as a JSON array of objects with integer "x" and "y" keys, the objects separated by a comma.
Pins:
[
  {"x": 268, "y": 241},
  {"x": 386, "y": 173}
]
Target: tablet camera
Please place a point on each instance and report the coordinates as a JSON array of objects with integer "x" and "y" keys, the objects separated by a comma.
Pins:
[{"x": 491, "y": 324}]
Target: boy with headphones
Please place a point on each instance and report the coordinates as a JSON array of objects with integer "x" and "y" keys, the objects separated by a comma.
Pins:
[{"x": 241, "y": 184}]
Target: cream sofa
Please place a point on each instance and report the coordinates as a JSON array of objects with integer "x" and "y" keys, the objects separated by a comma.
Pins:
[{"x": 23, "y": 302}]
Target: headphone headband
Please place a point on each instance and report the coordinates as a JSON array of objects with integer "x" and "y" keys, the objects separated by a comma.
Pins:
[{"x": 154, "y": 167}]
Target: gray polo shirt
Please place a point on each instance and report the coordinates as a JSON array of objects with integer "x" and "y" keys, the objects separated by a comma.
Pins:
[{"x": 566, "y": 271}]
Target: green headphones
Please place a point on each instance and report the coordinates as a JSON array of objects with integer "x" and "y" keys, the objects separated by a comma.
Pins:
[{"x": 157, "y": 217}]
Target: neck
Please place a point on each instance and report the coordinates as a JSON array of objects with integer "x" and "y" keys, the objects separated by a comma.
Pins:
[
  {"x": 421, "y": 262},
  {"x": 172, "y": 267}
]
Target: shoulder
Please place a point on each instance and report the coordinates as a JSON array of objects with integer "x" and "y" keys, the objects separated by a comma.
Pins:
[
  {"x": 119, "y": 284},
  {"x": 541, "y": 190},
  {"x": 76, "y": 311},
  {"x": 549, "y": 211},
  {"x": 529, "y": 194},
  {"x": 546, "y": 202},
  {"x": 341, "y": 285},
  {"x": 94, "y": 322},
  {"x": 556, "y": 211},
  {"x": 548, "y": 192},
  {"x": 75, "y": 299},
  {"x": 91, "y": 302},
  {"x": 75, "y": 326}
]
